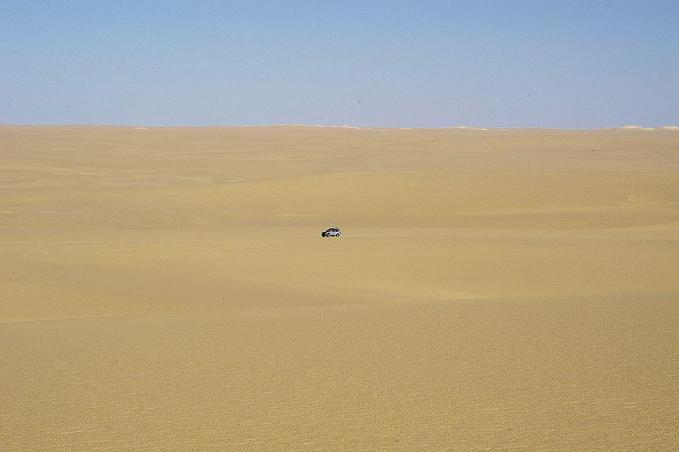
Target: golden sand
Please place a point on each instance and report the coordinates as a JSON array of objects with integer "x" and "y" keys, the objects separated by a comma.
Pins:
[{"x": 169, "y": 288}]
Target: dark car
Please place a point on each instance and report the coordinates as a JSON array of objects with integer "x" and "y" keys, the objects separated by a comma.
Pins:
[{"x": 331, "y": 232}]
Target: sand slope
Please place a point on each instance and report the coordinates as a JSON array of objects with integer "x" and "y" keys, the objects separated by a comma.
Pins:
[{"x": 169, "y": 288}]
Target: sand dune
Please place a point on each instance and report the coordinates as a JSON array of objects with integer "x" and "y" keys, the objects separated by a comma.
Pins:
[{"x": 493, "y": 289}]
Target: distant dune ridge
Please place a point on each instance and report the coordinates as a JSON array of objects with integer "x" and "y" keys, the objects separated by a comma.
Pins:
[
  {"x": 650, "y": 128},
  {"x": 492, "y": 289}
]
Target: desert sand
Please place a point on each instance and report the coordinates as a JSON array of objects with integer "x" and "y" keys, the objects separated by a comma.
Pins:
[{"x": 494, "y": 289}]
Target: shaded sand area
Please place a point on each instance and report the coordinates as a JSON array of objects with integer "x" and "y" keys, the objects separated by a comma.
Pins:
[{"x": 168, "y": 288}]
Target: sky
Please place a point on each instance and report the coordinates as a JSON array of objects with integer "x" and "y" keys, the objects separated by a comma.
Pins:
[{"x": 565, "y": 64}]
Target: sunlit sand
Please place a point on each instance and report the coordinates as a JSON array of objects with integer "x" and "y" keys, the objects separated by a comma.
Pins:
[{"x": 169, "y": 288}]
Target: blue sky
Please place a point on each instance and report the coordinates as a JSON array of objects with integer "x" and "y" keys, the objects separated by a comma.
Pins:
[{"x": 570, "y": 64}]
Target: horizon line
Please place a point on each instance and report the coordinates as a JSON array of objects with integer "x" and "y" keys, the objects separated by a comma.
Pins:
[{"x": 344, "y": 126}]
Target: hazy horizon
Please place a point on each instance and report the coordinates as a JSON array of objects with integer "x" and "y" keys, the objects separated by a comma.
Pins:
[
  {"x": 574, "y": 65},
  {"x": 672, "y": 127}
]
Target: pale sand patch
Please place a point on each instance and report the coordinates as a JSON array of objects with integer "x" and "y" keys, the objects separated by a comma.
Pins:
[
  {"x": 491, "y": 290},
  {"x": 636, "y": 128},
  {"x": 469, "y": 128}
]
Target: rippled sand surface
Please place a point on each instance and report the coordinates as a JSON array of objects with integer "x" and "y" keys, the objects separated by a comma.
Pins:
[{"x": 169, "y": 289}]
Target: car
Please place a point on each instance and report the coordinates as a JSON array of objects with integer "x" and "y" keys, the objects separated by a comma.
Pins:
[{"x": 331, "y": 232}]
